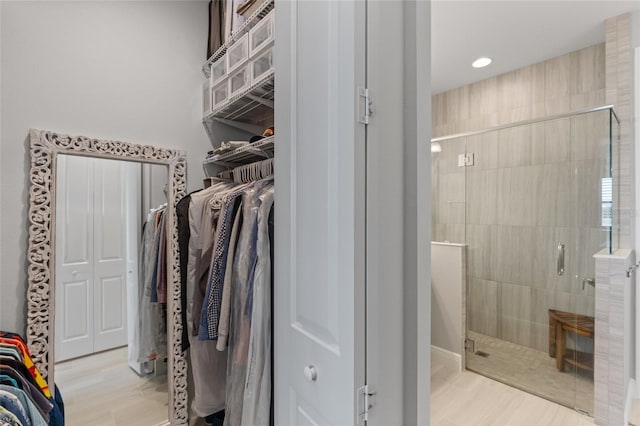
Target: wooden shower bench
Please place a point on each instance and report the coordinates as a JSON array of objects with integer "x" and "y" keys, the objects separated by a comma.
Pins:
[{"x": 561, "y": 322}]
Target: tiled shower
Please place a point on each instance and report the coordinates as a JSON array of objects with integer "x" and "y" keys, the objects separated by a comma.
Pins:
[{"x": 513, "y": 195}]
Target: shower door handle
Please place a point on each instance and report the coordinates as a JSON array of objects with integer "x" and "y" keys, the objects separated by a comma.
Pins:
[{"x": 561, "y": 259}]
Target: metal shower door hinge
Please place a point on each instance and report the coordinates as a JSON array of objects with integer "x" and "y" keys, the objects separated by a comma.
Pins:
[
  {"x": 469, "y": 345},
  {"x": 364, "y": 402},
  {"x": 365, "y": 105}
]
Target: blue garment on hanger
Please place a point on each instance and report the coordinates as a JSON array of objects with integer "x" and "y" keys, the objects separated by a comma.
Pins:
[
  {"x": 4, "y": 379},
  {"x": 29, "y": 406},
  {"x": 13, "y": 404},
  {"x": 57, "y": 414}
]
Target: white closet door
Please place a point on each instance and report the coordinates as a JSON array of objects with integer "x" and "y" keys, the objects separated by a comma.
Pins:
[
  {"x": 110, "y": 260},
  {"x": 74, "y": 258},
  {"x": 319, "y": 283}
]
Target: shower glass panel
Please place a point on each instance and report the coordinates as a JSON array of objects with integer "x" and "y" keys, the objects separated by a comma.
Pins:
[{"x": 533, "y": 203}]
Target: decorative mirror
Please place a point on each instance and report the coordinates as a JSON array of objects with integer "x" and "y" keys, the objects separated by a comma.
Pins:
[{"x": 45, "y": 147}]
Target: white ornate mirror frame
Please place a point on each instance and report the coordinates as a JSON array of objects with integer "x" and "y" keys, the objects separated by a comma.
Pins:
[{"x": 45, "y": 147}]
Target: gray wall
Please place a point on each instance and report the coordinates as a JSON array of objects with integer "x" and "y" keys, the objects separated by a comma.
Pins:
[
  {"x": 517, "y": 202},
  {"x": 115, "y": 70}
]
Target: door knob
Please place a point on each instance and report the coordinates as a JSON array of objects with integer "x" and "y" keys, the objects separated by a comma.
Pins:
[{"x": 310, "y": 373}]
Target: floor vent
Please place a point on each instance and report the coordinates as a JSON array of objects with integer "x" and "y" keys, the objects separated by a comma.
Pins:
[{"x": 482, "y": 354}]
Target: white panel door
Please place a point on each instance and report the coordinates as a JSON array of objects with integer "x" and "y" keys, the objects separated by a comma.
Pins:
[
  {"x": 319, "y": 282},
  {"x": 110, "y": 260},
  {"x": 74, "y": 254}
]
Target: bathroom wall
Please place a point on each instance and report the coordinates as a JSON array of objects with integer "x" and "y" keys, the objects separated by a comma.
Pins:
[
  {"x": 514, "y": 205},
  {"x": 571, "y": 82}
]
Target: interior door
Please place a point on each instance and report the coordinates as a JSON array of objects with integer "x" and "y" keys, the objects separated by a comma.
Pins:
[
  {"x": 319, "y": 284},
  {"x": 74, "y": 258},
  {"x": 91, "y": 232},
  {"x": 110, "y": 260}
]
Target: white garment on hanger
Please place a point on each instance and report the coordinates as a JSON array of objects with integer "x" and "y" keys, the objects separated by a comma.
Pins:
[
  {"x": 256, "y": 407},
  {"x": 208, "y": 365}
]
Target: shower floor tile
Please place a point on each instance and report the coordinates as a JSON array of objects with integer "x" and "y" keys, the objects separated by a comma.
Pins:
[{"x": 531, "y": 370}]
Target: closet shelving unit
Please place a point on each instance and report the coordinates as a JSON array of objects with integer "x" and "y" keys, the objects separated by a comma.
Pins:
[
  {"x": 251, "y": 21},
  {"x": 247, "y": 112},
  {"x": 247, "y": 154},
  {"x": 244, "y": 108}
]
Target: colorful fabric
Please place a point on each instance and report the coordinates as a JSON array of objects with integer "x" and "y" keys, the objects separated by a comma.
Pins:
[{"x": 16, "y": 340}]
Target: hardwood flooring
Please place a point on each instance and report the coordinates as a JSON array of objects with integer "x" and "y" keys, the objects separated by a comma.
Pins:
[
  {"x": 469, "y": 399},
  {"x": 101, "y": 390}
]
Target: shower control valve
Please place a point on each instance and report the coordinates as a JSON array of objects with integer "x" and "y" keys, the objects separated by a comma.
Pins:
[{"x": 590, "y": 281}]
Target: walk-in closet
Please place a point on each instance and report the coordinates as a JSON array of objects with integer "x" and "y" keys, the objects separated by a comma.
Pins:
[
  {"x": 226, "y": 229},
  {"x": 257, "y": 275}
]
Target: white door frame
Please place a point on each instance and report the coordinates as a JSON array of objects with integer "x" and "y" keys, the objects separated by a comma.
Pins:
[
  {"x": 399, "y": 211},
  {"x": 398, "y": 169}
]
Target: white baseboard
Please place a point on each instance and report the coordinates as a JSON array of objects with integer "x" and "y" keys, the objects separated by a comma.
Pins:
[
  {"x": 631, "y": 393},
  {"x": 451, "y": 359}
]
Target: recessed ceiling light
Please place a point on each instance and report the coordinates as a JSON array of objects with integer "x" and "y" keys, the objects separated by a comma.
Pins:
[{"x": 481, "y": 62}]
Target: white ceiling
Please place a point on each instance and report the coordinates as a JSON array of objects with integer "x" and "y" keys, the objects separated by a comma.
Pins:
[{"x": 514, "y": 33}]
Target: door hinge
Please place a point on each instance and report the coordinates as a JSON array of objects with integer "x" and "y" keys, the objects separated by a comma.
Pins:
[
  {"x": 365, "y": 402},
  {"x": 365, "y": 105},
  {"x": 466, "y": 160},
  {"x": 469, "y": 345}
]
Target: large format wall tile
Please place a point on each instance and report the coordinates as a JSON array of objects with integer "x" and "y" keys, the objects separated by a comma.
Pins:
[
  {"x": 558, "y": 77},
  {"x": 557, "y": 141},
  {"x": 483, "y": 97},
  {"x": 515, "y": 255},
  {"x": 515, "y": 301},
  {"x": 483, "y": 306},
  {"x": 484, "y": 147},
  {"x": 482, "y": 196},
  {"x": 518, "y": 197},
  {"x": 482, "y": 251},
  {"x": 514, "y": 147},
  {"x": 587, "y": 72}
]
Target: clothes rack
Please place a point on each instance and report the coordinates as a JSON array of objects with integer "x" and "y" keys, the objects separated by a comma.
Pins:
[{"x": 229, "y": 286}]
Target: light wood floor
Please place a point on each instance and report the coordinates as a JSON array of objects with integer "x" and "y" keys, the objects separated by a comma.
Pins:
[
  {"x": 101, "y": 390},
  {"x": 469, "y": 399}
]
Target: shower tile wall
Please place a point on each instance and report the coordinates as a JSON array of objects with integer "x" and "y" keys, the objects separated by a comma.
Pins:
[{"x": 514, "y": 205}]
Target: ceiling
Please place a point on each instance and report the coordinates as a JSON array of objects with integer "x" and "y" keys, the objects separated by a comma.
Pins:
[{"x": 514, "y": 33}]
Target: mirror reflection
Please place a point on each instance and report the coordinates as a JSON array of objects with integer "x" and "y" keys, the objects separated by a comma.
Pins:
[{"x": 111, "y": 290}]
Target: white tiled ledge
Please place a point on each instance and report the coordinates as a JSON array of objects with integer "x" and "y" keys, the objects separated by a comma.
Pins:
[
  {"x": 439, "y": 243},
  {"x": 620, "y": 254}
]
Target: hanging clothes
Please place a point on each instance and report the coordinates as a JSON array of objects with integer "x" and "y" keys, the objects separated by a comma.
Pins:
[
  {"x": 257, "y": 393},
  {"x": 150, "y": 331},
  {"x": 210, "y": 314},
  {"x": 229, "y": 300},
  {"x": 208, "y": 365},
  {"x": 25, "y": 399}
]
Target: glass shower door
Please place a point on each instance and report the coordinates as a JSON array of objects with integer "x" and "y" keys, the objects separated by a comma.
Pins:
[
  {"x": 592, "y": 160},
  {"x": 534, "y": 210}
]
